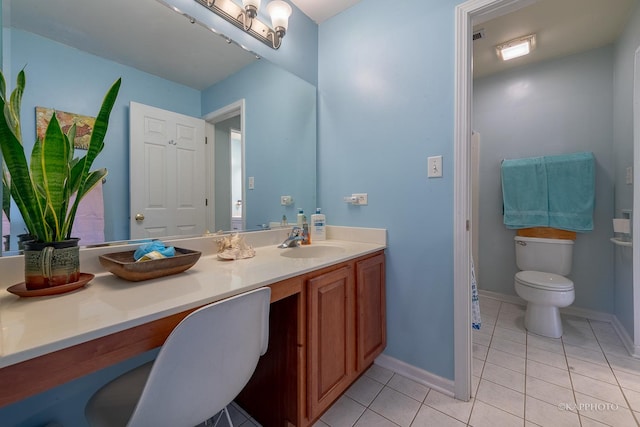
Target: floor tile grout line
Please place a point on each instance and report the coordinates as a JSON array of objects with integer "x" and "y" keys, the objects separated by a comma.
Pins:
[
  {"x": 377, "y": 413},
  {"x": 615, "y": 376},
  {"x": 573, "y": 389},
  {"x": 449, "y": 415},
  {"x": 481, "y": 379},
  {"x": 526, "y": 368}
]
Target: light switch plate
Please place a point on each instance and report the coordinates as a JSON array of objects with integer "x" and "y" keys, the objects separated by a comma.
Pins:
[{"x": 434, "y": 167}]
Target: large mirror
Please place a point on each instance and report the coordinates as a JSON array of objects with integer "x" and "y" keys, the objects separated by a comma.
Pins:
[{"x": 72, "y": 50}]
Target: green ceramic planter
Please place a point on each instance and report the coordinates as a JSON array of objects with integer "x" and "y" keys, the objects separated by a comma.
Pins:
[{"x": 48, "y": 264}]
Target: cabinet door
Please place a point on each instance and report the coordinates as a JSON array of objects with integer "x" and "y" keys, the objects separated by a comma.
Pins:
[
  {"x": 331, "y": 337},
  {"x": 371, "y": 320}
]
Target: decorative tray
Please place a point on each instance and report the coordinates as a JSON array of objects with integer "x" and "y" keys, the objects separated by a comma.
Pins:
[
  {"x": 123, "y": 265},
  {"x": 21, "y": 288}
]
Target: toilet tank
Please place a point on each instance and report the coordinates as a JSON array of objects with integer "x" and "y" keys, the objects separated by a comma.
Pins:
[{"x": 547, "y": 255}]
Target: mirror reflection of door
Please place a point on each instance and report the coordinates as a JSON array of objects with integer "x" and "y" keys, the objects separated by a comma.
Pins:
[
  {"x": 237, "y": 211},
  {"x": 167, "y": 158}
]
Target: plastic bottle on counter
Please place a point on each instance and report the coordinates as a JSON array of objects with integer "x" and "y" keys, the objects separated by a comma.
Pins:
[
  {"x": 300, "y": 219},
  {"x": 306, "y": 236},
  {"x": 318, "y": 226}
]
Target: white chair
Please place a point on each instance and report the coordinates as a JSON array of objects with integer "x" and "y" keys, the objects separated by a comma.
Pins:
[{"x": 202, "y": 366}]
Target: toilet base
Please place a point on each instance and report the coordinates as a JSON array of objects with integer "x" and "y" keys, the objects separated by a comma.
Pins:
[{"x": 543, "y": 320}]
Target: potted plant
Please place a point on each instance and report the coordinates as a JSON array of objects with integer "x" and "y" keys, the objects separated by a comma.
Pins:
[{"x": 43, "y": 187}]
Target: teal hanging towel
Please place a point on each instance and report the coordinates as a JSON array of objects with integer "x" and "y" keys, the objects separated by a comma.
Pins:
[
  {"x": 524, "y": 193},
  {"x": 571, "y": 179}
]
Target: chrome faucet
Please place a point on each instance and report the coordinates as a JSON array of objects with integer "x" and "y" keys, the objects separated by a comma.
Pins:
[{"x": 294, "y": 238}]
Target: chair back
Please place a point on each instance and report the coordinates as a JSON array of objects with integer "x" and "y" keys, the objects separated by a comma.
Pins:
[{"x": 205, "y": 362}]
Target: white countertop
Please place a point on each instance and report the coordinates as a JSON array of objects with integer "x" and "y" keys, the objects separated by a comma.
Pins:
[{"x": 32, "y": 327}]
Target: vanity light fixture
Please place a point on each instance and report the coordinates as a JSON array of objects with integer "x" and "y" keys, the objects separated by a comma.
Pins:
[
  {"x": 245, "y": 18},
  {"x": 516, "y": 47}
]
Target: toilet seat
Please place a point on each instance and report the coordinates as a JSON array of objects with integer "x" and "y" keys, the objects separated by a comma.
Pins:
[{"x": 544, "y": 281}]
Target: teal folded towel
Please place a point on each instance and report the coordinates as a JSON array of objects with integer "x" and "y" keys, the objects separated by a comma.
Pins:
[
  {"x": 571, "y": 180},
  {"x": 524, "y": 193},
  {"x": 157, "y": 246}
]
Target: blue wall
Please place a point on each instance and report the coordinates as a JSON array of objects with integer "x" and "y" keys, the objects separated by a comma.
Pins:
[
  {"x": 385, "y": 104},
  {"x": 554, "y": 107},
  {"x": 81, "y": 81},
  {"x": 280, "y": 134},
  {"x": 623, "y": 157}
]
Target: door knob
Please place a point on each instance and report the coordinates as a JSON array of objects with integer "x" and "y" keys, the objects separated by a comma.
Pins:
[{"x": 139, "y": 217}]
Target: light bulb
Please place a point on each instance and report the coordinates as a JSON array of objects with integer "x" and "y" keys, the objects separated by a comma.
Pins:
[{"x": 279, "y": 12}]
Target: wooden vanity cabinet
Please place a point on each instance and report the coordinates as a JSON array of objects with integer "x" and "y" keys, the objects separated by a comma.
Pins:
[
  {"x": 331, "y": 344},
  {"x": 346, "y": 330},
  {"x": 371, "y": 310},
  {"x": 326, "y": 328}
]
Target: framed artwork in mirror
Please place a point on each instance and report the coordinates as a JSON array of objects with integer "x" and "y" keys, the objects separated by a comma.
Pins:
[{"x": 84, "y": 125}]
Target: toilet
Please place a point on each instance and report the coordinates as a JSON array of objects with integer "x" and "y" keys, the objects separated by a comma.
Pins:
[{"x": 544, "y": 263}]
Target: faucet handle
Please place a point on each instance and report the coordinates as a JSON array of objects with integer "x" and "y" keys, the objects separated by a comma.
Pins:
[{"x": 295, "y": 231}]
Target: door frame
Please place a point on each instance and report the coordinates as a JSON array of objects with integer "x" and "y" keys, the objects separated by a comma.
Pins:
[
  {"x": 466, "y": 15},
  {"x": 217, "y": 116},
  {"x": 635, "y": 220}
]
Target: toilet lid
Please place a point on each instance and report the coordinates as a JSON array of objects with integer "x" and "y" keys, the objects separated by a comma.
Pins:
[{"x": 545, "y": 281}]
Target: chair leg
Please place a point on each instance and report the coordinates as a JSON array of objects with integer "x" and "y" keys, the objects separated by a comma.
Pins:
[
  {"x": 228, "y": 416},
  {"x": 224, "y": 410}
]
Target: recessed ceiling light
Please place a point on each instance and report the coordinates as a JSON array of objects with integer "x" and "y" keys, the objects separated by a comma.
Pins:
[{"x": 516, "y": 47}]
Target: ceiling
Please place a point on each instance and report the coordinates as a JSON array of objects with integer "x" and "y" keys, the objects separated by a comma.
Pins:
[
  {"x": 562, "y": 27},
  {"x": 107, "y": 29},
  {"x": 321, "y": 10}
]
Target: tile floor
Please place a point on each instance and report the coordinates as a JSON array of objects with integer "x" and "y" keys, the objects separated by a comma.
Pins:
[{"x": 586, "y": 379}]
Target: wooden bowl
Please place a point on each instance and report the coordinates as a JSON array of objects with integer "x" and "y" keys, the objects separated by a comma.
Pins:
[{"x": 123, "y": 265}]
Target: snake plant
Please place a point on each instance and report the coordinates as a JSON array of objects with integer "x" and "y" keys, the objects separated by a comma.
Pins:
[{"x": 43, "y": 188}]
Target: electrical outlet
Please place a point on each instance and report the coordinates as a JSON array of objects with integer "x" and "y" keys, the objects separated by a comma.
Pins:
[
  {"x": 361, "y": 198},
  {"x": 286, "y": 200},
  {"x": 252, "y": 183},
  {"x": 629, "y": 175}
]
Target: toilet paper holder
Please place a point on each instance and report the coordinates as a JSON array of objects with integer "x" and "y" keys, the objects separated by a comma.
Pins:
[{"x": 622, "y": 231}]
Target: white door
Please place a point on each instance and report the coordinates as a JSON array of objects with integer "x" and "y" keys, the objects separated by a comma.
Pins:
[{"x": 167, "y": 173}]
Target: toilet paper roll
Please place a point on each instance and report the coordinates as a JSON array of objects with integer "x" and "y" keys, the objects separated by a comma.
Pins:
[{"x": 621, "y": 225}]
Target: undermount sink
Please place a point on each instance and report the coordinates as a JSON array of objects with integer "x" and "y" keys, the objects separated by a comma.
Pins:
[{"x": 312, "y": 251}]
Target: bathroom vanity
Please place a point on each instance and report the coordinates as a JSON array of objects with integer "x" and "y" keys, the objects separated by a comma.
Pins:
[{"x": 327, "y": 321}]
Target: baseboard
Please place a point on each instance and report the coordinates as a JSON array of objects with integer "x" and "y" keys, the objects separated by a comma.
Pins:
[
  {"x": 633, "y": 349},
  {"x": 588, "y": 314},
  {"x": 570, "y": 311},
  {"x": 436, "y": 382},
  {"x": 513, "y": 299}
]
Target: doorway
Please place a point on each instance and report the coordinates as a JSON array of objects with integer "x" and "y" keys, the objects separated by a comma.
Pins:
[
  {"x": 468, "y": 14},
  {"x": 226, "y": 157}
]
